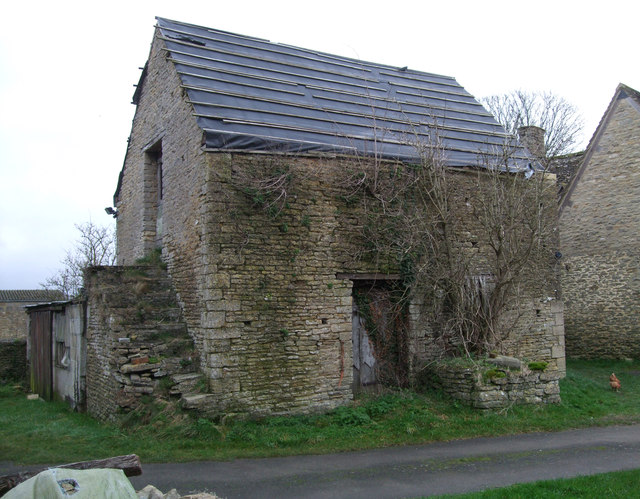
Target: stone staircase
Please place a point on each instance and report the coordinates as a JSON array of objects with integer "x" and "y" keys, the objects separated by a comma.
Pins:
[{"x": 137, "y": 330}]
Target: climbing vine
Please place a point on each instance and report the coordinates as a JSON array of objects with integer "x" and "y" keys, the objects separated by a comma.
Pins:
[{"x": 267, "y": 184}]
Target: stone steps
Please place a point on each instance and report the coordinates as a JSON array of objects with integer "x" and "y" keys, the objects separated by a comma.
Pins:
[
  {"x": 142, "y": 336},
  {"x": 202, "y": 403},
  {"x": 186, "y": 383}
]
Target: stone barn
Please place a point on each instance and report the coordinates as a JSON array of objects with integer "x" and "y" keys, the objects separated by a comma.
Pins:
[
  {"x": 242, "y": 170},
  {"x": 599, "y": 235}
]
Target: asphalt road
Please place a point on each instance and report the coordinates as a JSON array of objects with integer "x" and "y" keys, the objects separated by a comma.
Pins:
[{"x": 441, "y": 468}]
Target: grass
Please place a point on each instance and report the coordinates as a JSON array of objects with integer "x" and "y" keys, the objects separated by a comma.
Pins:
[
  {"x": 620, "y": 484},
  {"x": 33, "y": 432}
]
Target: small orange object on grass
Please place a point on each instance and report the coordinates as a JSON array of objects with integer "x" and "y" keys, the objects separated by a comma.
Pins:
[{"x": 614, "y": 382}]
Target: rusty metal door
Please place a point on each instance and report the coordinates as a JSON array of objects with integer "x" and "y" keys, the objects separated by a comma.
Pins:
[{"x": 40, "y": 354}]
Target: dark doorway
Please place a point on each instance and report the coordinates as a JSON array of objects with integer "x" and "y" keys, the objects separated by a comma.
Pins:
[{"x": 378, "y": 335}]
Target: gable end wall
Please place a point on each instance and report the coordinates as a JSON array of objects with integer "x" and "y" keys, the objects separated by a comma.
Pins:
[
  {"x": 163, "y": 116},
  {"x": 599, "y": 230}
]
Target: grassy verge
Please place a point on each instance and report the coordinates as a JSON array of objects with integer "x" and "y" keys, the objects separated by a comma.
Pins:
[
  {"x": 618, "y": 484},
  {"x": 37, "y": 432}
]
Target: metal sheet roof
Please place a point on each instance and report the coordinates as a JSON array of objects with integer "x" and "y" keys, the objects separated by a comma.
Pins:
[{"x": 253, "y": 95}]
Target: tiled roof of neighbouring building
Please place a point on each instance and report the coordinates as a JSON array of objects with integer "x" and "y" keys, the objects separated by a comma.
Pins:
[
  {"x": 30, "y": 295},
  {"x": 249, "y": 94}
]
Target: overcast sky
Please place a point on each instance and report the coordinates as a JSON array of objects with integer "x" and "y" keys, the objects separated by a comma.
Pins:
[{"x": 67, "y": 71}]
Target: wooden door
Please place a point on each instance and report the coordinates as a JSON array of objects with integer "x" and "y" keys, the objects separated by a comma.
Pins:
[
  {"x": 364, "y": 361},
  {"x": 40, "y": 354}
]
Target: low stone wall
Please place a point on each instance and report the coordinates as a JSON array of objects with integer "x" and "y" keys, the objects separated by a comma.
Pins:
[
  {"x": 13, "y": 360},
  {"x": 474, "y": 388}
]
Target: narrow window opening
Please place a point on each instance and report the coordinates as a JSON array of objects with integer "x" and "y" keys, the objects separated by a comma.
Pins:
[{"x": 153, "y": 195}]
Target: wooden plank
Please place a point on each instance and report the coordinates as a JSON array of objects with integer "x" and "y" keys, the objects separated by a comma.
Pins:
[
  {"x": 130, "y": 464},
  {"x": 368, "y": 277}
]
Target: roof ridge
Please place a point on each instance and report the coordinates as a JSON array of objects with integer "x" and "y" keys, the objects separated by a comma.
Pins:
[{"x": 355, "y": 61}]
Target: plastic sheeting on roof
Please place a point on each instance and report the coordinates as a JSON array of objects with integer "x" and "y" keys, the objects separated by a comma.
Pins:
[{"x": 253, "y": 95}]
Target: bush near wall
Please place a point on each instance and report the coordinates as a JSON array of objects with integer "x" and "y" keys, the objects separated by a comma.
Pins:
[{"x": 13, "y": 360}]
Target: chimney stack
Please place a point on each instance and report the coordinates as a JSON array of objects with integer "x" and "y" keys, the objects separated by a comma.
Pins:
[{"x": 532, "y": 137}]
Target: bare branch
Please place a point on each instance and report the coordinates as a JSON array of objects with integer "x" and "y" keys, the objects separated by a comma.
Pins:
[
  {"x": 95, "y": 246},
  {"x": 559, "y": 118}
]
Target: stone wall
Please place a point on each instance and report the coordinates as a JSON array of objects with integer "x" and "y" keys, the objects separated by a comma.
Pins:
[
  {"x": 600, "y": 245},
  {"x": 14, "y": 321},
  {"x": 13, "y": 360},
  {"x": 276, "y": 315},
  {"x": 136, "y": 340},
  {"x": 473, "y": 387},
  {"x": 277, "y": 318}
]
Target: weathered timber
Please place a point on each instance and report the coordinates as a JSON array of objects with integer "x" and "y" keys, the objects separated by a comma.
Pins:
[{"x": 130, "y": 464}]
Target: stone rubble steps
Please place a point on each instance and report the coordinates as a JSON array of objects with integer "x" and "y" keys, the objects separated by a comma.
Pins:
[
  {"x": 185, "y": 383},
  {"x": 202, "y": 403}
]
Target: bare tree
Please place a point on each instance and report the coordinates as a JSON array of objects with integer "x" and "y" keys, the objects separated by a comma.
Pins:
[
  {"x": 422, "y": 216},
  {"x": 559, "y": 118},
  {"x": 95, "y": 246}
]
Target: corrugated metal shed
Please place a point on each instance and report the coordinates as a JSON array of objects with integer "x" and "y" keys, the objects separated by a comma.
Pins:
[
  {"x": 30, "y": 295},
  {"x": 250, "y": 94}
]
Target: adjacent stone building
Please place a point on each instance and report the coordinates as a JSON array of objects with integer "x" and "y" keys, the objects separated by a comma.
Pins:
[
  {"x": 241, "y": 169},
  {"x": 600, "y": 238},
  {"x": 14, "y": 326},
  {"x": 13, "y": 316}
]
